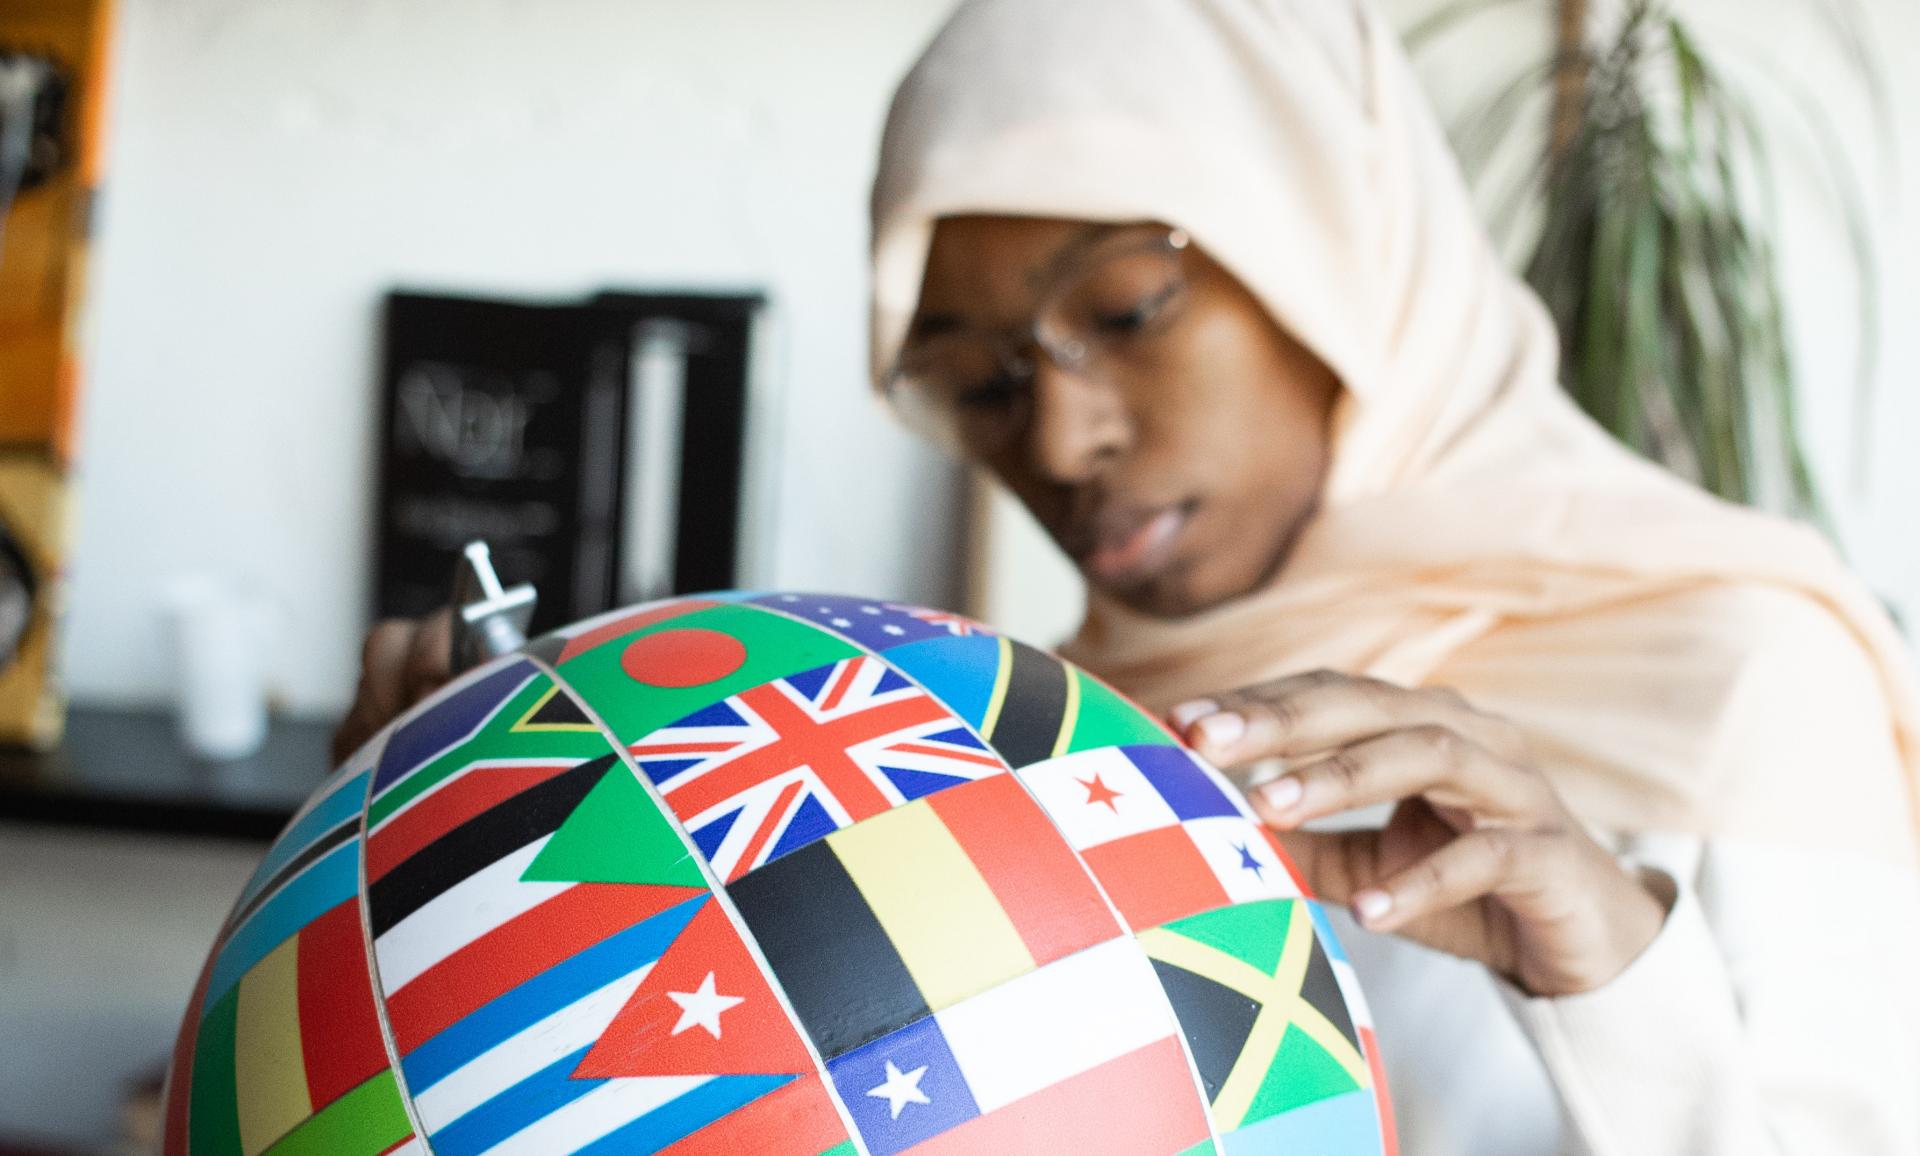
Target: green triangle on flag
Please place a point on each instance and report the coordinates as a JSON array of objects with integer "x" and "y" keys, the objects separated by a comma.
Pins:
[
  {"x": 1107, "y": 720},
  {"x": 500, "y": 737},
  {"x": 616, "y": 835},
  {"x": 1252, "y": 932},
  {"x": 1302, "y": 1072}
]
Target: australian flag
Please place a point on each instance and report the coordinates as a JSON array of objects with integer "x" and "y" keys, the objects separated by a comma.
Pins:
[{"x": 874, "y": 625}]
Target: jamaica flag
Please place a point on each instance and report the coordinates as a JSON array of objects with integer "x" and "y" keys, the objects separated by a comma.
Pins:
[{"x": 1261, "y": 1007}]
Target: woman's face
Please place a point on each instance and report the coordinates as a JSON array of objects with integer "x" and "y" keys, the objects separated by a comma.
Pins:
[{"x": 1177, "y": 468}]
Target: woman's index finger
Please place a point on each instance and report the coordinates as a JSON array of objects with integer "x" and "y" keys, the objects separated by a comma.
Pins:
[{"x": 1307, "y": 714}]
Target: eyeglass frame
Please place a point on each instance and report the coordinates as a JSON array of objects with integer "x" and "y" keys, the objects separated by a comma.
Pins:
[{"x": 1009, "y": 343}]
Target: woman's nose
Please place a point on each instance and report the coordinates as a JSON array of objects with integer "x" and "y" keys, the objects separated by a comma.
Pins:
[{"x": 1079, "y": 423}]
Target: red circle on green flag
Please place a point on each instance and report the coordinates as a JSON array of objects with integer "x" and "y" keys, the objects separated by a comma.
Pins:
[{"x": 688, "y": 656}]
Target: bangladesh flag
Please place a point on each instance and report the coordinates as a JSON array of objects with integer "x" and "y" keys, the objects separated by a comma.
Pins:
[{"x": 670, "y": 667}]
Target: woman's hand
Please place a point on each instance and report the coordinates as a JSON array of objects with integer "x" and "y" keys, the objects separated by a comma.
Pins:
[
  {"x": 403, "y": 661},
  {"x": 1480, "y": 858}
]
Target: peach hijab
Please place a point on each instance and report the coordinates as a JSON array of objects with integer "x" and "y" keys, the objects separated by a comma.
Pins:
[{"x": 1476, "y": 530}]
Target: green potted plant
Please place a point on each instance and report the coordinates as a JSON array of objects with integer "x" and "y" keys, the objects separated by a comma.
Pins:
[{"x": 1645, "y": 213}]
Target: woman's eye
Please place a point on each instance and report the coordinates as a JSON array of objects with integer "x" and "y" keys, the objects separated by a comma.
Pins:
[
  {"x": 1138, "y": 316},
  {"x": 1000, "y": 393}
]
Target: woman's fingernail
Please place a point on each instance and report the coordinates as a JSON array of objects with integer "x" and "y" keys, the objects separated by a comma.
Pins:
[
  {"x": 1184, "y": 714},
  {"x": 1283, "y": 793},
  {"x": 1371, "y": 905},
  {"x": 1222, "y": 729}
]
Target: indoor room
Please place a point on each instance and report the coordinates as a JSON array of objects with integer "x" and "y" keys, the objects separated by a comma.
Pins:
[{"x": 856, "y": 576}]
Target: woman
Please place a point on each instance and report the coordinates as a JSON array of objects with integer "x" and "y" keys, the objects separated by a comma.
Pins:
[{"x": 1635, "y": 769}]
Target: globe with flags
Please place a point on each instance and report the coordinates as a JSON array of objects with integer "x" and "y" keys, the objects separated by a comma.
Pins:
[{"x": 785, "y": 874}]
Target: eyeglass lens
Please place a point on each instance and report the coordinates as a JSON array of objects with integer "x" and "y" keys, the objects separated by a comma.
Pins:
[{"x": 1105, "y": 320}]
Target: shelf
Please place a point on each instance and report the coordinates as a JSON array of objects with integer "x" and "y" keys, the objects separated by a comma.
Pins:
[{"x": 125, "y": 770}]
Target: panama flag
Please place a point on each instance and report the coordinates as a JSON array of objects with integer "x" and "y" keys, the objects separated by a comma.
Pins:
[
  {"x": 777, "y": 766},
  {"x": 1161, "y": 834}
]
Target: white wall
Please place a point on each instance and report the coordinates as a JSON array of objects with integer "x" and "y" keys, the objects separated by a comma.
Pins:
[
  {"x": 1873, "y": 483},
  {"x": 274, "y": 167}
]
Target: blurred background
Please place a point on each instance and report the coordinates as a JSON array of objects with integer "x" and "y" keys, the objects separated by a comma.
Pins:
[{"x": 296, "y": 296}]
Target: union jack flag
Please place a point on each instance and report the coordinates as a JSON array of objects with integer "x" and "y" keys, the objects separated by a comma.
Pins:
[{"x": 774, "y": 768}]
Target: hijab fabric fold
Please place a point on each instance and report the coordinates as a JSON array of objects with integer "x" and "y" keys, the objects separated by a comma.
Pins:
[{"x": 1471, "y": 514}]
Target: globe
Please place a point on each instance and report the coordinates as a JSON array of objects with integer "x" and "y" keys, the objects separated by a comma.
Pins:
[{"x": 776, "y": 873}]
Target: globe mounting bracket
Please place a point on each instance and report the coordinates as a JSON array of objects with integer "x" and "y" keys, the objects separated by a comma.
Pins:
[{"x": 488, "y": 620}]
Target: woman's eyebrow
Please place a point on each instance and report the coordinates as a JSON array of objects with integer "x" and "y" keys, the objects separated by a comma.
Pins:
[
  {"x": 1079, "y": 241},
  {"x": 1038, "y": 277}
]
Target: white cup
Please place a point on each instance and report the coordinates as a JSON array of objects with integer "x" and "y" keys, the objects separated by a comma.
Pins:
[{"x": 220, "y": 636}]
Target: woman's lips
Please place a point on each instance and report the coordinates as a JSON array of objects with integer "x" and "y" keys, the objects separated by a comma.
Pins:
[{"x": 1134, "y": 549}]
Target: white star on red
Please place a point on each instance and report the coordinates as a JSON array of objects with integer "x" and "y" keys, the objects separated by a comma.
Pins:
[{"x": 702, "y": 1007}]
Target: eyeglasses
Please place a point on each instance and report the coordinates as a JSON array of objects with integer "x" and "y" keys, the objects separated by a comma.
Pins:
[{"x": 1105, "y": 315}]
